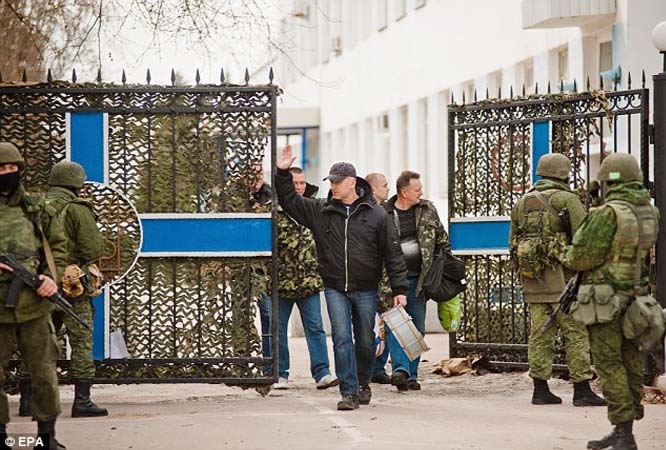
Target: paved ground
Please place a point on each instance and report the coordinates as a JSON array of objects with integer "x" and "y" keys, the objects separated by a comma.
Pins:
[{"x": 490, "y": 412}]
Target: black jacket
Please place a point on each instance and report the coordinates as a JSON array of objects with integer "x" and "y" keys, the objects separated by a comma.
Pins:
[{"x": 351, "y": 250}]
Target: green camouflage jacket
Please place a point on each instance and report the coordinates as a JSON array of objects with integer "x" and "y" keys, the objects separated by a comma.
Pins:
[
  {"x": 85, "y": 243},
  {"x": 19, "y": 236},
  {"x": 297, "y": 256},
  {"x": 592, "y": 246},
  {"x": 548, "y": 288},
  {"x": 429, "y": 233}
]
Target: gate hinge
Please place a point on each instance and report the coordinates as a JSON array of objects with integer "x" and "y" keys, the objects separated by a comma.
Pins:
[{"x": 651, "y": 133}]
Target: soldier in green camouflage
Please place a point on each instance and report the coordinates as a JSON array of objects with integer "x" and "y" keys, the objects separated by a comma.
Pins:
[
  {"x": 85, "y": 245},
  {"x": 540, "y": 229},
  {"x": 26, "y": 223},
  {"x": 299, "y": 284},
  {"x": 611, "y": 247}
]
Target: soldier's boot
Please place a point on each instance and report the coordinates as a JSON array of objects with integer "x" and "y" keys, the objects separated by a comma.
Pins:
[
  {"x": 83, "y": 406},
  {"x": 621, "y": 438},
  {"x": 3, "y": 436},
  {"x": 584, "y": 396},
  {"x": 625, "y": 437},
  {"x": 542, "y": 395},
  {"x": 46, "y": 431},
  {"x": 25, "y": 389}
]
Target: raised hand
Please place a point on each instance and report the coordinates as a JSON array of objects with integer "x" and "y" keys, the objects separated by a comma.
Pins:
[{"x": 286, "y": 158}]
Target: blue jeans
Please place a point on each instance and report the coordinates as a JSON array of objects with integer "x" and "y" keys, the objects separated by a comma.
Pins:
[
  {"x": 315, "y": 336},
  {"x": 354, "y": 355},
  {"x": 416, "y": 307}
]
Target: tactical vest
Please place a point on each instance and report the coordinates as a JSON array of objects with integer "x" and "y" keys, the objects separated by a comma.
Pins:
[
  {"x": 18, "y": 237},
  {"x": 541, "y": 235},
  {"x": 620, "y": 269},
  {"x": 57, "y": 210}
]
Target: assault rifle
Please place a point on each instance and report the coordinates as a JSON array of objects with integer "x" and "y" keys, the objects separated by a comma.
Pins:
[
  {"x": 566, "y": 299},
  {"x": 24, "y": 276}
]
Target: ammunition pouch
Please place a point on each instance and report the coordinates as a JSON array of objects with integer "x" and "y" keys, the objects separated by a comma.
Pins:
[
  {"x": 77, "y": 281},
  {"x": 598, "y": 303},
  {"x": 644, "y": 320}
]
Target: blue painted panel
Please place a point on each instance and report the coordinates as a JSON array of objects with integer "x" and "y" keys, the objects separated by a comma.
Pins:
[
  {"x": 87, "y": 143},
  {"x": 540, "y": 144},
  {"x": 99, "y": 328},
  {"x": 483, "y": 235},
  {"x": 206, "y": 235}
]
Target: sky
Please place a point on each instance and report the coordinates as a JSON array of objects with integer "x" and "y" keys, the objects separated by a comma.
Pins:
[{"x": 136, "y": 49}]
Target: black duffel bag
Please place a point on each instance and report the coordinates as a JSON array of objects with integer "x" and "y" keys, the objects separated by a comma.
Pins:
[{"x": 445, "y": 278}]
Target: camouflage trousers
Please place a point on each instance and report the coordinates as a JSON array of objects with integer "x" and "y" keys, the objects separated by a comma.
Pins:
[
  {"x": 82, "y": 366},
  {"x": 36, "y": 341},
  {"x": 541, "y": 346},
  {"x": 619, "y": 363}
]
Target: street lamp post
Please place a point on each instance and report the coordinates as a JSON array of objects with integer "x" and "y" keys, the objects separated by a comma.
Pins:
[{"x": 659, "y": 82}]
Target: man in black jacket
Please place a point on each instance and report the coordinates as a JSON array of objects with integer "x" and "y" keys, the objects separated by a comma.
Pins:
[{"x": 355, "y": 240}]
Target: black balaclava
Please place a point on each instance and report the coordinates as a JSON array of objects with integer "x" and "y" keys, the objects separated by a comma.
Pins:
[{"x": 9, "y": 181}]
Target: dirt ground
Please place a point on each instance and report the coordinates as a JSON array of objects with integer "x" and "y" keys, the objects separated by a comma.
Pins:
[{"x": 489, "y": 412}]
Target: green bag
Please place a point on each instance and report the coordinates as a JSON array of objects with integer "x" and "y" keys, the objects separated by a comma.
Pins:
[
  {"x": 644, "y": 320},
  {"x": 449, "y": 314}
]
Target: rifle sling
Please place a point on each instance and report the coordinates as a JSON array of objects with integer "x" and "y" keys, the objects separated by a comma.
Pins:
[
  {"x": 544, "y": 201},
  {"x": 48, "y": 254}
]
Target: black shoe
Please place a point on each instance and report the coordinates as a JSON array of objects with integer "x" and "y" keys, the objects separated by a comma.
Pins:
[
  {"x": 25, "y": 389},
  {"x": 584, "y": 396},
  {"x": 621, "y": 438},
  {"x": 83, "y": 406},
  {"x": 400, "y": 379},
  {"x": 47, "y": 432},
  {"x": 348, "y": 403},
  {"x": 381, "y": 378},
  {"x": 413, "y": 385},
  {"x": 364, "y": 394},
  {"x": 542, "y": 395}
]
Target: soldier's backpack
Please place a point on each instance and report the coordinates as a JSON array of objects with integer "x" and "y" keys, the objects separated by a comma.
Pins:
[{"x": 539, "y": 245}]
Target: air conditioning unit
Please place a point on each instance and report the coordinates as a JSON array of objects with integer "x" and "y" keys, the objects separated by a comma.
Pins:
[{"x": 336, "y": 45}]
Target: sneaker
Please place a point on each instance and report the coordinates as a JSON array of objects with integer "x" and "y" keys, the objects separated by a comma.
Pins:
[
  {"x": 327, "y": 381},
  {"x": 399, "y": 379},
  {"x": 364, "y": 394},
  {"x": 281, "y": 384},
  {"x": 381, "y": 378},
  {"x": 348, "y": 403},
  {"x": 413, "y": 385}
]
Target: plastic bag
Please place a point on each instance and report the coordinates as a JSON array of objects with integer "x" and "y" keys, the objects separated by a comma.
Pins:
[
  {"x": 449, "y": 314},
  {"x": 380, "y": 336}
]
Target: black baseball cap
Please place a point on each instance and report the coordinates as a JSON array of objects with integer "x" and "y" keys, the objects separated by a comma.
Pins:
[{"x": 341, "y": 170}]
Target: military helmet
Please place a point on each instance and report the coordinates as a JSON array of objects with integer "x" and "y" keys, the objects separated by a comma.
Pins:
[
  {"x": 9, "y": 154},
  {"x": 67, "y": 174},
  {"x": 554, "y": 165},
  {"x": 619, "y": 167}
]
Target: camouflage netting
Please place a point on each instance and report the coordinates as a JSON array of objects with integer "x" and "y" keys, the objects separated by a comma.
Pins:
[{"x": 170, "y": 150}]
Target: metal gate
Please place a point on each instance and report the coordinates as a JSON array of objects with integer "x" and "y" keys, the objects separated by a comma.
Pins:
[
  {"x": 493, "y": 149},
  {"x": 174, "y": 167}
]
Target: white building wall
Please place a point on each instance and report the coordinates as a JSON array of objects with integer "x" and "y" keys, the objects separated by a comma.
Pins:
[{"x": 409, "y": 69}]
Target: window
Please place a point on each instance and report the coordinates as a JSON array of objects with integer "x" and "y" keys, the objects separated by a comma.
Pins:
[
  {"x": 400, "y": 9},
  {"x": 382, "y": 14},
  {"x": 563, "y": 64},
  {"x": 605, "y": 56}
]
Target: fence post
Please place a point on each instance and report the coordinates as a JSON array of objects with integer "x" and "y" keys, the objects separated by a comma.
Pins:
[{"x": 659, "y": 80}]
